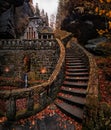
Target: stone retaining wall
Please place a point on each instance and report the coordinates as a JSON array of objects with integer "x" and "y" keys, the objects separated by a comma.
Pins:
[
  {"x": 44, "y": 92},
  {"x": 43, "y": 58}
]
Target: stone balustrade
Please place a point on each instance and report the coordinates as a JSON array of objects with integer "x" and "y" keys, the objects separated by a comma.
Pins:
[
  {"x": 66, "y": 38},
  {"x": 17, "y": 44},
  {"x": 37, "y": 97}
]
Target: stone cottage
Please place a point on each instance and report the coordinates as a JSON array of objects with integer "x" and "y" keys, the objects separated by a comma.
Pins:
[{"x": 31, "y": 32}]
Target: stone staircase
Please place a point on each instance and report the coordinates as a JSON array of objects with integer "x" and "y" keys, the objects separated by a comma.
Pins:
[{"x": 72, "y": 96}]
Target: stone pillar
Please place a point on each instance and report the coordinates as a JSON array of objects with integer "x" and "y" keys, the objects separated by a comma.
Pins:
[
  {"x": 34, "y": 34},
  {"x": 27, "y": 35},
  {"x": 41, "y": 36},
  {"x": 47, "y": 36},
  {"x": 52, "y": 37},
  {"x": 30, "y": 102},
  {"x": 43, "y": 98},
  {"x": 11, "y": 109}
]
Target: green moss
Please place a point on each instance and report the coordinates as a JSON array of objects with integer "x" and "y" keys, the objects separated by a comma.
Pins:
[
  {"x": 98, "y": 118},
  {"x": 105, "y": 48}
]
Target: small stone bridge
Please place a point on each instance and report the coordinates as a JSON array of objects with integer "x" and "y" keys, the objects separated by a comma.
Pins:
[{"x": 72, "y": 84}]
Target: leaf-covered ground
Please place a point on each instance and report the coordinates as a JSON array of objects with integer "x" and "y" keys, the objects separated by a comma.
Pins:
[
  {"x": 50, "y": 118},
  {"x": 104, "y": 71}
]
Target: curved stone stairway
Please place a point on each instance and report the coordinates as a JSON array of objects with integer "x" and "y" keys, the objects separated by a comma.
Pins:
[
  {"x": 72, "y": 96},
  {"x": 70, "y": 100}
]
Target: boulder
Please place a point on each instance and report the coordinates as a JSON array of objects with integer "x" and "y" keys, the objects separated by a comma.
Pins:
[
  {"x": 7, "y": 24},
  {"x": 14, "y": 16}
]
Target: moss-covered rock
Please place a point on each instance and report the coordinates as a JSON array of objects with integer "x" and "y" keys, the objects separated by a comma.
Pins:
[
  {"x": 98, "y": 117},
  {"x": 14, "y": 17}
]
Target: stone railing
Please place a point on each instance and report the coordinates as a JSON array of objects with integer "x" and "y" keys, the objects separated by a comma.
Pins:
[
  {"x": 92, "y": 90},
  {"x": 66, "y": 38},
  {"x": 17, "y": 44},
  {"x": 34, "y": 98}
]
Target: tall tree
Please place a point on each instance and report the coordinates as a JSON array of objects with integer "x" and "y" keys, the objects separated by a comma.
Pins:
[
  {"x": 103, "y": 8},
  {"x": 52, "y": 21},
  {"x": 61, "y": 12},
  {"x": 69, "y": 7},
  {"x": 47, "y": 19}
]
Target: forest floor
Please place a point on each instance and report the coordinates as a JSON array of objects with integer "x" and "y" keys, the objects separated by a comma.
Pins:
[
  {"x": 50, "y": 118},
  {"x": 104, "y": 73}
]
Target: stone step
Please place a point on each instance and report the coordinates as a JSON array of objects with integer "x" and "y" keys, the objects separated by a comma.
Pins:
[
  {"x": 73, "y": 91},
  {"x": 72, "y": 96},
  {"x": 77, "y": 70},
  {"x": 74, "y": 61},
  {"x": 75, "y": 84},
  {"x": 76, "y": 78},
  {"x": 76, "y": 100},
  {"x": 74, "y": 112},
  {"x": 75, "y": 74},
  {"x": 73, "y": 58},
  {"x": 76, "y": 66},
  {"x": 72, "y": 55}
]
